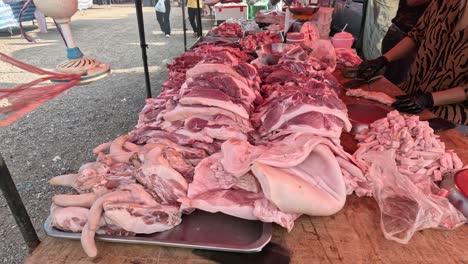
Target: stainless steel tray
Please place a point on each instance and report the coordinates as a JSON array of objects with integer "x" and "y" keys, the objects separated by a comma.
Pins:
[
  {"x": 199, "y": 230},
  {"x": 362, "y": 115}
]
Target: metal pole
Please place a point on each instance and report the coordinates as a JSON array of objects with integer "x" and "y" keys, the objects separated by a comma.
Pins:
[
  {"x": 200, "y": 29},
  {"x": 143, "y": 45},
  {"x": 184, "y": 25},
  {"x": 17, "y": 207},
  {"x": 360, "y": 42}
]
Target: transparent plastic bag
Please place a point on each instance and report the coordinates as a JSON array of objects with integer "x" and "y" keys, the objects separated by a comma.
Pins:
[
  {"x": 405, "y": 208},
  {"x": 160, "y": 6},
  {"x": 324, "y": 51}
]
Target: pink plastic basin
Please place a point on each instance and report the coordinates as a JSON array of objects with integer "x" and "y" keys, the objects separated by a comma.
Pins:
[{"x": 345, "y": 43}]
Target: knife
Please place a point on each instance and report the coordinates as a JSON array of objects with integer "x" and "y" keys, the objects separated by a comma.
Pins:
[{"x": 360, "y": 82}]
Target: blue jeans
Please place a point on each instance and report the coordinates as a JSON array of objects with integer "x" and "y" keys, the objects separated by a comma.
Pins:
[{"x": 396, "y": 71}]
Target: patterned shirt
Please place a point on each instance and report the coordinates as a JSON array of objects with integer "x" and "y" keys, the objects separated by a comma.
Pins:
[{"x": 442, "y": 58}]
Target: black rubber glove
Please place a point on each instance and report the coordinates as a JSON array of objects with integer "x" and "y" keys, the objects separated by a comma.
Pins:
[
  {"x": 370, "y": 68},
  {"x": 414, "y": 103}
]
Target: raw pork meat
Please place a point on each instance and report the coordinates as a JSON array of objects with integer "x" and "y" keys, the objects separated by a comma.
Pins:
[
  {"x": 347, "y": 57},
  {"x": 402, "y": 158},
  {"x": 250, "y": 42},
  {"x": 227, "y": 29},
  {"x": 282, "y": 169},
  {"x": 164, "y": 182},
  {"x": 216, "y": 98},
  {"x": 286, "y": 105},
  {"x": 133, "y": 196},
  {"x": 370, "y": 95}
]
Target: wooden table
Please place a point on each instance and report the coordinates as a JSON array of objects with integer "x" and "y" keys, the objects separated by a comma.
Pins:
[{"x": 351, "y": 236}]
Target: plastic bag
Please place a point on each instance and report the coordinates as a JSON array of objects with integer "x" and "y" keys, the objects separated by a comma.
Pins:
[
  {"x": 160, "y": 6},
  {"x": 324, "y": 51},
  {"x": 405, "y": 208},
  {"x": 18, "y": 101}
]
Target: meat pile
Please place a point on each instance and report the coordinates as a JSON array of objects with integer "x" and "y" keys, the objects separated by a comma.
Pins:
[
  {"x": 272, "y": 177},
  {"x": 347, "y": 57},
  {"x": 227, "y": 30},
  {"x": 255, "y": 143},
  {"x": 250, "y": 42},
  {"x": 402, "y": 159},
  {"x": 276, "y": 182}
]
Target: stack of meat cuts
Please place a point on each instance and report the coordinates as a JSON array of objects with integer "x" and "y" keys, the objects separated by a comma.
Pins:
[
  {"x": 227, "y": 30},
  {"x": 250, "y": 42},
  {"x": 277, "y": 182},
  {"x": 255, "y": 143},
  {"x": 347, "y": 57},
  {"x": 139, "y": 179},
  {"x": 296, "y": 165}
]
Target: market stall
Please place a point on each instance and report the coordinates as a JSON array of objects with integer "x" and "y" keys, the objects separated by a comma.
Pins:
[
  {"x": 352, "y": 235},
  {"x": 262, "y": 134}
]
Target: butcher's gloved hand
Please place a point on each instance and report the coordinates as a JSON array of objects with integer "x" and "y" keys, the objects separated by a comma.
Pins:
[
  {"x": 414, "y": 103},
  {"x": 370, "y": 68}
]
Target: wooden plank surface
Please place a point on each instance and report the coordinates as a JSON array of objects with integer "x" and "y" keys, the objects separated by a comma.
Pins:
[{"x": 351, "y": 236}]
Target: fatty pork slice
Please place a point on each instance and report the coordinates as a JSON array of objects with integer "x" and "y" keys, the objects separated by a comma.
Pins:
[
  {"x": 96, "y": 175},
  {"x": 130, "y": 197},
  {"x": 216, "y": 98},
  {"x": 314, "y": 187},
  {"x": 288, "y": 152},
  {"x": 220, "y": 81},
  {"x": 74, "y": 219},
  {"x": 216, "y": 68},
  {"x": 380, "y": 97},
  {"x": 215, "y": 190},
  {"x": 141, "y": 219},
  {"x": 281, "y": 107},
  {"x": 160, "y": 178},
  {"x": 183, "y": 112},
  {"x": 241, "y": 204},
  {"x": 210, "y": 175},
  {"x": 219, "y": 127},
  {"x": 406, "y": 208},
  {"x": 298, "y": 175},
  {"x": 68, "y": 219}
]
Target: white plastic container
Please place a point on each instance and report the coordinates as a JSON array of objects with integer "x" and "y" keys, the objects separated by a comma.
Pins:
[{"x": 231, "y": 10}]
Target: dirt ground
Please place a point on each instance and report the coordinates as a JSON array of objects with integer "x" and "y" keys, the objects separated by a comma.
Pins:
[{"x": 58, "y": 137}]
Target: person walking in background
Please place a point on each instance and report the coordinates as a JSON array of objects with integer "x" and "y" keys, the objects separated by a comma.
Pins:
[
  {"x": 408, "y": 14},
  {"x": 164, "y": 18},
  {"x": 193, "y": 15}
]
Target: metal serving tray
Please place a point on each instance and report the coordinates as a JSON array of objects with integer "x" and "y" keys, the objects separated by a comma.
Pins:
[{"x": 199, "y": 230}]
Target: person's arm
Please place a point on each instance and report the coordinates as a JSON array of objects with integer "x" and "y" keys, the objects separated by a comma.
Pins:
[
  {"x": 406, "y": 47},
  {"x": 416, "y": 2},
  {"x": 417, "y": 102},
  {"x": 451, "y": 96}
]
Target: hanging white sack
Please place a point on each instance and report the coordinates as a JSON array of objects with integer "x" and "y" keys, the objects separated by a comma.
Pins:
[{"x": 160, "y": 6}]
